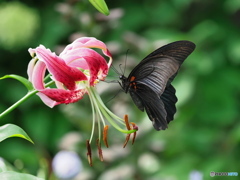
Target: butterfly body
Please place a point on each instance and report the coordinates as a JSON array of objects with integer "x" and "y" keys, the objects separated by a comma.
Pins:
[{"x": 149, "y": 83}]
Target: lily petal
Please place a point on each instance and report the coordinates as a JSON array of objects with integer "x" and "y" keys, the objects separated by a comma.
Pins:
[
  {"x": 46, "y": 100},
  {"x": 88, "y": 42},
  {"x": 89, "y": 59},
  {"x": 53, "y": 97},
  {"x": 30, "y": 68},
  {"x": 59, "y": 69},
  {"x": 38, "y": 74}
]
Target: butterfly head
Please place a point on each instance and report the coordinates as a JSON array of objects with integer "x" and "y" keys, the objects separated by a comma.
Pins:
[
  {"x": 122, "y": 78},
  {"x": 124, "y": 83}
]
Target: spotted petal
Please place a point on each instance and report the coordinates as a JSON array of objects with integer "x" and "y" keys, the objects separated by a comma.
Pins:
[
  {"x": 53, "y": 97},
  {"x": 59, "y": 69},
  {"x": 88, "y": 59}
]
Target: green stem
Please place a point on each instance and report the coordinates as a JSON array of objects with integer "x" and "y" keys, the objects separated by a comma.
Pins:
[{"x": 23, "y": 99}]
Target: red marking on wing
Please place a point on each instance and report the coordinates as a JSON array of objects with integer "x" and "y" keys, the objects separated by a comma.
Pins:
[
  {"x": 132, "y": 78},
  {"x": 134, "y": 84}
]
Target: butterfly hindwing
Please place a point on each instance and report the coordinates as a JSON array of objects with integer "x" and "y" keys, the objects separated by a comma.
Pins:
[
  {"x": 151, "y": 103},
  {"x": 137, "y": 100},
  {"x": 169, "y": 99}
]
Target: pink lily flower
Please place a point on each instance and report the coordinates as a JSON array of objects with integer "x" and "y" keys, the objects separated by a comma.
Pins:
[
  {"x": 75, "y": 68},
  {"x": 75, "y": 72}
]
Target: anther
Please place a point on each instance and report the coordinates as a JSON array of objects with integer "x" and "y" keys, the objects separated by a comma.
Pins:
[
  {"x": 126, "y": 141},
  {"x": 100, "y": 154},
  {"x": 134, "y": 126},
  {"x": 105, "y": 132},
  {"x": 128, "y": 127},
  {"x": 89, "y": 153},
  {"x": 126, "y": 121},
  {"x": 135, "y": 133}
]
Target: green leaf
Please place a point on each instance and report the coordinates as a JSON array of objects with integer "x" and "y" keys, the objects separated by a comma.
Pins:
[
  {"x": 101, "y": 6},
  {"x": 21, "y": 79},
  {"x": 7, "y": 175},
  {"x": 11, "y": 130}
]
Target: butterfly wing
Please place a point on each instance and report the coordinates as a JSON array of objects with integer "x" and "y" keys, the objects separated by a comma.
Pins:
[
  {"x": 148, "y": 90},
  {"x": 179, "y": 50},
  {"x": 169, "y": 100},
  {"x": 149, "y": 82},
  {"x": 148, "y": 100},
  {"x": 153, "y": 73}
]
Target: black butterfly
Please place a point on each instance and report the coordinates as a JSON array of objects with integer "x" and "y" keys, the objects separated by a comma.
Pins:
[{"x": 149, "y": 83}]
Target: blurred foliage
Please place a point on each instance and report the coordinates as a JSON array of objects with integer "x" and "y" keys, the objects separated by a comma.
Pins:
[
  {"x": 18, "y": 25},
  {"x": 205, "y": 135}
]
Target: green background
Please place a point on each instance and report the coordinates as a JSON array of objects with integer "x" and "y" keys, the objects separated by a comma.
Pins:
[{"x": 205, "y": 135}]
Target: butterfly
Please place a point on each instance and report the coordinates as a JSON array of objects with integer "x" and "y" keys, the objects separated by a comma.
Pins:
[{"x": 149, "y": 83}]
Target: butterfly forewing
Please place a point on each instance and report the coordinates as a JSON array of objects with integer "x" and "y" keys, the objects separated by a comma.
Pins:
[
  {"x": 154, "y": 73},
  {"x": 179, "y": 50}
]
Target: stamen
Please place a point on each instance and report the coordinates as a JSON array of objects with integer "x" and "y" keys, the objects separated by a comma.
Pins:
[
  {"x": 135, "y": 133},
  {"x": 89, "y": 153},
  {"x": 134, "y": 126},
  {"x": 126, "y": 121},
  {"x": 100, "y": 154},
  {"x": 129, "y": 128},
  {"x": 105, "y": 132},
  {"x": 126, "y": 141}
]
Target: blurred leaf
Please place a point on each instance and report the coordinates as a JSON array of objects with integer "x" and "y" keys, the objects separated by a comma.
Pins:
[
  {"x": 11, "y": 130},
  {"x": 21, "y": 79},
  {"x": 5, "y": 166},
  {"x": 101, "y": 6},
  {"x": 7, "y": 175}
]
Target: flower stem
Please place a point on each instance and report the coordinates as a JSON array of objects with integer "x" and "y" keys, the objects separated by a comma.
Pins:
[{"x": 23, "y": 99}]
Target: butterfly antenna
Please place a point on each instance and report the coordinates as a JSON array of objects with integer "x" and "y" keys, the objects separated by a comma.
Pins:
[
  {"x": 125, "y": 62},
  {"x": 120, "y": 67},
  {"x": 115, "y": 70}
]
